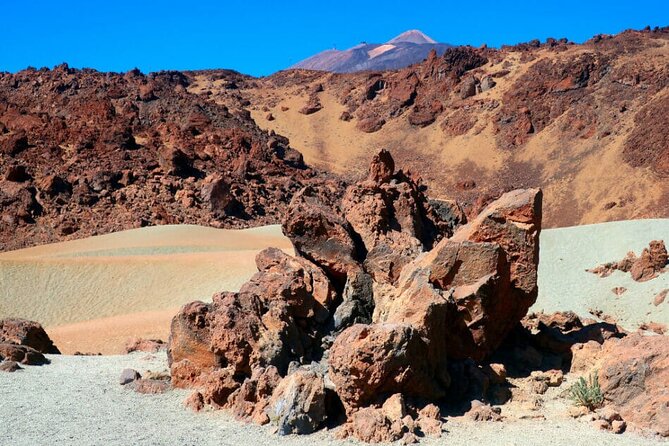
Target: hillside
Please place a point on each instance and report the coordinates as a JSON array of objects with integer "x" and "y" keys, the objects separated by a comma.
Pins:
[
  {"x": 587, "y": 123},
  {"x": 85, "y": 153}
]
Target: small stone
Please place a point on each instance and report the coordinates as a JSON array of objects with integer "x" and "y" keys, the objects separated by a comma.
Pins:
[
  {"x": 195, "y": 402},
  {"x": 394, "y": 408},
  {"x": 128, "y": 376},
  {"x": 497, "y": 373},
  {"x": 660, "y": 297},
  {"x": 601, "y": 425},
  {"x": 609, "y": 414},
  {"x": 10, "y": 366},
  {"x": 618, "y": 426}
]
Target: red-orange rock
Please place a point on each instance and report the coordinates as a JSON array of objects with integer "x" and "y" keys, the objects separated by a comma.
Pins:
[
  {"x": 370, "y": 362},
  {"x": 28, "y": 333},
  {"x": 634, "y": 377}
]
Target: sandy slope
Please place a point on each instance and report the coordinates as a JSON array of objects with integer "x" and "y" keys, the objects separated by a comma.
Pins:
[
  {"x": 95, "y": 293},
  {"x": 77, "y": 400},
  {"x": 565, "y": 285},
  {"x": 146, "y": 272}
]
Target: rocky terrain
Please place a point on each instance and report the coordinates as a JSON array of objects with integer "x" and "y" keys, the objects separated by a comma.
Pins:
[
  {"x": 585, "y": 122},
  {"x": 85, "y": 153},
  {"x": 395, "y": 312}
]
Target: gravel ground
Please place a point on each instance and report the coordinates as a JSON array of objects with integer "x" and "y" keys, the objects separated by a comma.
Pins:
[
  {"x": 77, "y": 400},
  {"x": 564, "y": 284}
]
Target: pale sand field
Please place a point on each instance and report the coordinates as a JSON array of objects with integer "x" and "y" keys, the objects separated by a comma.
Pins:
[
  {"x": 76, "y": 400},
  {"x": 94, "y": 294}
]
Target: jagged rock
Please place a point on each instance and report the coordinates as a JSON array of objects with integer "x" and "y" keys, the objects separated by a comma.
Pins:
[
  {"x": 645, "y": 267},
  {"x": 271, "y": 321},
  {"x": 297, "y": 405},
  {"x": 321, "y": 235},
  {"x": 652, "y": 260},
  {"x": 468, "y": 87},
  {"x": 251, "y": 399},
  {"x": 144, "y": 345},
  {"x": 357, "y": 306},
  {"x": 368, "y": 362},
  {"x": 386, "y": 289},
  {"x": 21, "y": 354},
  {"x": 634, "y": 377},
  {"x": 28, "y": 333}
]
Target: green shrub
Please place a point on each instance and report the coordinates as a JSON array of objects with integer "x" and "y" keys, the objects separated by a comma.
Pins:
[{"x": 587, "y": 393}]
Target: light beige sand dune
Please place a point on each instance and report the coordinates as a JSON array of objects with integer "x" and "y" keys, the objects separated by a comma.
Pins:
[
  {"x": 147, "y": 273},
  {"x": 93, "y": 294}
]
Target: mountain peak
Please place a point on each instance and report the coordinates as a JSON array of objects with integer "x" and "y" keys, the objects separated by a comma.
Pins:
[{"x": 412, "y": 36}]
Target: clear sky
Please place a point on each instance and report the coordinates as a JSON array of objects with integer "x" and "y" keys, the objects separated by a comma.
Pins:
[{"x": 261, "y": 37}]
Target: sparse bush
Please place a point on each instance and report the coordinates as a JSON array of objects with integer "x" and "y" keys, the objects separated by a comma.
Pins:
[{"x": 587, "y": 393}]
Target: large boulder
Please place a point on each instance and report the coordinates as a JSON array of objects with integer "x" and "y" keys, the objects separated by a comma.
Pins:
[
  {"x": 634, "y": 377},
  {"x": 321, "y": 234},
  {"x": 297, "y": 405},
  {"x": 371, "y": 362},
  {"x": 28, "y": 333},
  {"x": 385, "y": 289},
  {"x": 21, "y": 354},
  {"x": 272, "y": 320}
]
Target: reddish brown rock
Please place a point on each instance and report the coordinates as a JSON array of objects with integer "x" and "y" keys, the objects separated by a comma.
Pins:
[
  {"x": 195, "y": 402},
  {"x": 319, "y": 233},
  {"x": 9, "y": 366},
  {"x": 483, "y": 412},
  {"x": 27, "y": 333},
  {"x": 634, "y": 378},
  {"x": 660, "y": 297},
  {"x": 272, "y": 320},
  {"x": 150, "y": 386},
  {"x": 312, "y": 106},
  {"x": 251, "y": 399},
  {"x": 652, "y": 261},
  {"x": 368, "y": 362},
  {"x": 22, "y": 354},
  {"x": 144, "y": 345}
]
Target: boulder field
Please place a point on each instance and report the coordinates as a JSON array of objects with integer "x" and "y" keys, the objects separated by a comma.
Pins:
[{"x": 390, "y": 296}]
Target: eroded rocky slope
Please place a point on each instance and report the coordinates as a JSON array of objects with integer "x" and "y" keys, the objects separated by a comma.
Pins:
[
  {"x": 583, "y": 122},
  {"x": 85, "y": 153}
]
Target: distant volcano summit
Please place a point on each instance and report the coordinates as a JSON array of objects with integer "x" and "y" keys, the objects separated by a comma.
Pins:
[{"x": 408, "y": 48}]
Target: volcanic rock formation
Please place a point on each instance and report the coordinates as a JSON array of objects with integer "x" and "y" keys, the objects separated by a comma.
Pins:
[
  {"x": 24, "y": 342},
  {"x": 583, "y": 122},
  {"x": 85, "y": 153},
  {"x": 647, "y": 266},
  {"x": 387, "y": 287}
]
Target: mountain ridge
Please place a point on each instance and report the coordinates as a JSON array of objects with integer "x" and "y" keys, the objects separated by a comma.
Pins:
[{"x": 405, "y": 49}]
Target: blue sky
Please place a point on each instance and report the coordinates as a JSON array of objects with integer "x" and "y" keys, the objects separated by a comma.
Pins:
[{"x": 261, "y": 37}]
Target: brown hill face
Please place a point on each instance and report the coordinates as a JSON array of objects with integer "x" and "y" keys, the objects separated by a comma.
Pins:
[
  {"x": 587, "y": 123},
  {"x": 85, "y": 153}
]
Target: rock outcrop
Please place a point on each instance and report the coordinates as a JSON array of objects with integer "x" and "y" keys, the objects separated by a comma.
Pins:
[
  {"x": 26, "y": 333},
  {"x": 652, "y": 261},
  {"x": 116, "y": 151},
  {"x": 387, "y": 288},
  {"x": 634, "y": 378}
]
